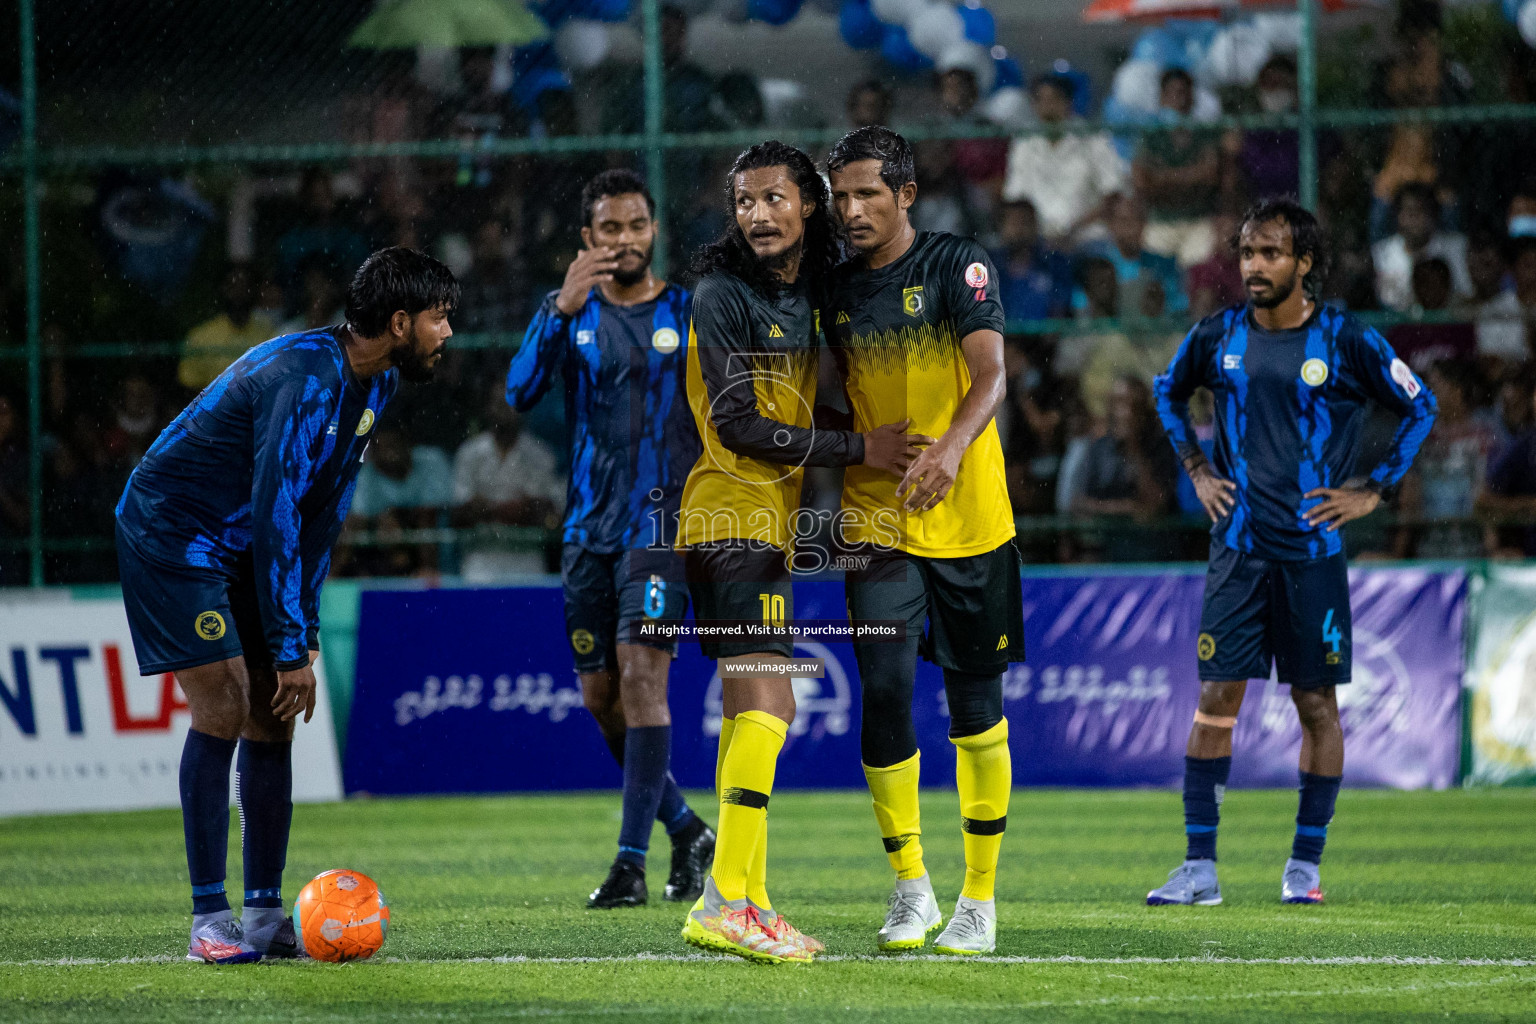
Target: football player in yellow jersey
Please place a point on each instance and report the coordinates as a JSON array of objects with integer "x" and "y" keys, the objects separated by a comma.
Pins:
[
  {"x": 917, "y": 328},
  {"x": 752, "y": 359}
]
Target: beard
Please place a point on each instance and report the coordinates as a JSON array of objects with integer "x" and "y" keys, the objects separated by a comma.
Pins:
[
  {"x": 407, "y": 358},
  {"x": 780, "y": 261},
  {"x": 1277, "y": 295},
  {"x": 627, "y": 278}
]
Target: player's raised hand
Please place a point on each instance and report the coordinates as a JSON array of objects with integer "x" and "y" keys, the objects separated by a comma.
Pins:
[
  {"x": 587, "y": 270},
  {"x": 1216, "y": 493},
  {"x": 295, "y": 692},
  {"x": 1340, "y": 505},
  {"x": 892, "y": 449},
  {"x": 930, "y": 476}
]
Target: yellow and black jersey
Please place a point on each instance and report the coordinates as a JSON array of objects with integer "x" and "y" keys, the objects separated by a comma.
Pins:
[
  {"x": 752, "y": 388},
  {"x": 896, "y": 332}
]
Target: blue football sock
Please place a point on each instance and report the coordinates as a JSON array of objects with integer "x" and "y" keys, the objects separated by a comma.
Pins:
[
  {"x": 205, "y": 817},
  {"x": 264, "y": 794},
  {"x": 647, "y": 756},
  {"x": 1315, "y": 811},
  {"x": 1205, "y": 783},
  {"x": 673, "y": 812}
]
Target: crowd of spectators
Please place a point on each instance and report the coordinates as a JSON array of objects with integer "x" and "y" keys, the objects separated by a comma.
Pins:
[{"x": 1119, "y": 244}]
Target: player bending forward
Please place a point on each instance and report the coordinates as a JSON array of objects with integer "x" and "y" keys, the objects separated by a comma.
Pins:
[
  {"x": 1291, "y": 380},
  {"x": 752, "y": 362},
  {"x": 613, "y": 334},
  {"x": 224, "y": 538},
  {"x": 917, "y": 328}
]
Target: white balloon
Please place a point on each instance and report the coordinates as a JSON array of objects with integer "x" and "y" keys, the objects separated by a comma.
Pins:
[
  {"x": 972, "y": 57},
  {"x": 1283, "y": 31},
  {"x": 935, "y": 29},
  {"x": 1235, "y": 57},
  {"x": 1138, "y": 84},
  {"x": 1008, "y": 108},
  {"x": 582, "y": 44},
  {"x": 1207, "y": 105},
  {"x": 1525, "y": 21},
  {"x": 898, "y": 12}
]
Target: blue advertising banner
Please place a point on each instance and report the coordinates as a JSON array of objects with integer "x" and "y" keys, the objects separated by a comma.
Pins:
[{"x": 474, "y": 691}]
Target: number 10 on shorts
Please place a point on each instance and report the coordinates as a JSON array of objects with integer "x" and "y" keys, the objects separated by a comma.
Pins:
[{"x": 773, "y": 610}]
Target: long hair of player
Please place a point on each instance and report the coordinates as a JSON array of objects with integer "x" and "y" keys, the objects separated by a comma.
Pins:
[{"x": 821, "y": 248}]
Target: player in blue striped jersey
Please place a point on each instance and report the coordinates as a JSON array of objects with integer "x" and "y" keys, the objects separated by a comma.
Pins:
[
  {"x": 616, "y": 337},
  {"x": 224, "y": 537},
  {"x": 1292, "y": 380}
]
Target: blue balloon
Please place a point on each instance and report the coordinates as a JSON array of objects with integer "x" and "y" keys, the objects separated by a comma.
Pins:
[
  {"x": 774, "y": 12},
  {"x": 980, "y": 26},
  {"x": 1161, "y": 47},
  {"x": 859, "y": 26},
  {"x": 1010, "y": 73},
  {"x": 897, "y": 49}
]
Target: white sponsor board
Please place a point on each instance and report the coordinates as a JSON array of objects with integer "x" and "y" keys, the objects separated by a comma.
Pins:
[{"x": 81, "y": 730}]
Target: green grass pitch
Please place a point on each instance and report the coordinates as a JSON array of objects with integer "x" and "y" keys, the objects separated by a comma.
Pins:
[{"x": 1430, "y": 916}]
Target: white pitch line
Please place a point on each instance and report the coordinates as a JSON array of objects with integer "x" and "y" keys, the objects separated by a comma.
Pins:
[{"x": 869, "y": 958}]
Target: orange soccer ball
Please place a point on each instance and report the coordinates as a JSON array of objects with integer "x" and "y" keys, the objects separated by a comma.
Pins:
[{"x": 340, "y": 916}]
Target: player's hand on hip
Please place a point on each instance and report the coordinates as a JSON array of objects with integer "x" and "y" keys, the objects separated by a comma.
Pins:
[
  {"x": 295, "y": 692},
  {"x": 1216, "y": 493},
  {"x": 587, "y": 270},
  {"x": 1340, "y": 505},
  {"x": 930, "y": 476},
  {"x": 892, "y": 449}
]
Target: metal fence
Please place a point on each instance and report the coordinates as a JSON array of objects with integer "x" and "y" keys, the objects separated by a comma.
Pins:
[{"x": 162, "y": 110}]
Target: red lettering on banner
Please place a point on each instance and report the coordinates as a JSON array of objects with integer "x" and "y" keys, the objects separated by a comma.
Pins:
[{"x": 171, "y": 700}]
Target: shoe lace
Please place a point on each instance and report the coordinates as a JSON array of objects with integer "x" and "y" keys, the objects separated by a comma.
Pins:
[
  {"x": 1299, "y": 878},
  {"x": 748, "y": 915},
  {"x": 969, "y": 922},
  {"x": 228, "y": 932},
  {"x": 903, "y": 908}
]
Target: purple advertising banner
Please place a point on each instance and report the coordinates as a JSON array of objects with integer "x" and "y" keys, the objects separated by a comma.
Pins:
[{"x": 473, "y": 690}]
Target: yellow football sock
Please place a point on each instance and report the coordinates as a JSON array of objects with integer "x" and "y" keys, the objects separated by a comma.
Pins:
[
  {"x": 757, "y": 871},
  {"x": 894, "y": 791},
  {"x": 984, "y": 776},
  {"x": 746, "y": 782},
  {"x": 727, "y": 727}
]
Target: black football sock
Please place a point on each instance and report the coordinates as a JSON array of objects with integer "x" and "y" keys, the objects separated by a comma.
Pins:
[
  {"x": 264, "y": 792},
  {"x": 647, "y": 758},
  {"x": 205, "y": 817}
]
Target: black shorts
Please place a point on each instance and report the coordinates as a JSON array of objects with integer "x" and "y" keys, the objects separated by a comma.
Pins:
[
  {"x": 1260, "y": 611},
  {"x": 608, "y": 598},
  {"x": 183, "y": 618},
  {"x": 969, "y": 611},
  {"x": 739, "y": 581}
]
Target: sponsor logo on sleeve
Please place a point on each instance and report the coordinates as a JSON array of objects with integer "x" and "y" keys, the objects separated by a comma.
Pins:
[
  {"x": 1405, "y": 378},
  {"x": 976, "y": 275}
]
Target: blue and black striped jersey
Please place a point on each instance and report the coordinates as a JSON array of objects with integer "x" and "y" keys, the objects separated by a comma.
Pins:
[
  {"x": 264, "y": 461},
  {"x": 631, "y": 432},
  {"x": 1288, "y": 412}
]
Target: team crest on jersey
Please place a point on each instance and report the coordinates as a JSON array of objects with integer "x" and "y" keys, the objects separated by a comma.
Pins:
[
  {"x": 976, "y": 275},
  {"x": 581, "y": 641},
  {"x": 1405, "y": 378},
  {"x": 1314, "y": 372},
  {"x": 665, "y": 340},
  {"x": 366, "y": 423},
  {"x": 775, "y": 332},
  {"x": 1206, "y": 648},
  {"x": 210, "y": 625},
  {"x": 912, "y": 301}
]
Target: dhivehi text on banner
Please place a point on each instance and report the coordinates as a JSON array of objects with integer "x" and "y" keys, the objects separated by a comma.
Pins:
[
  {"x": 474, "y": 691},
  {"x": 81, "y": 730}
]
